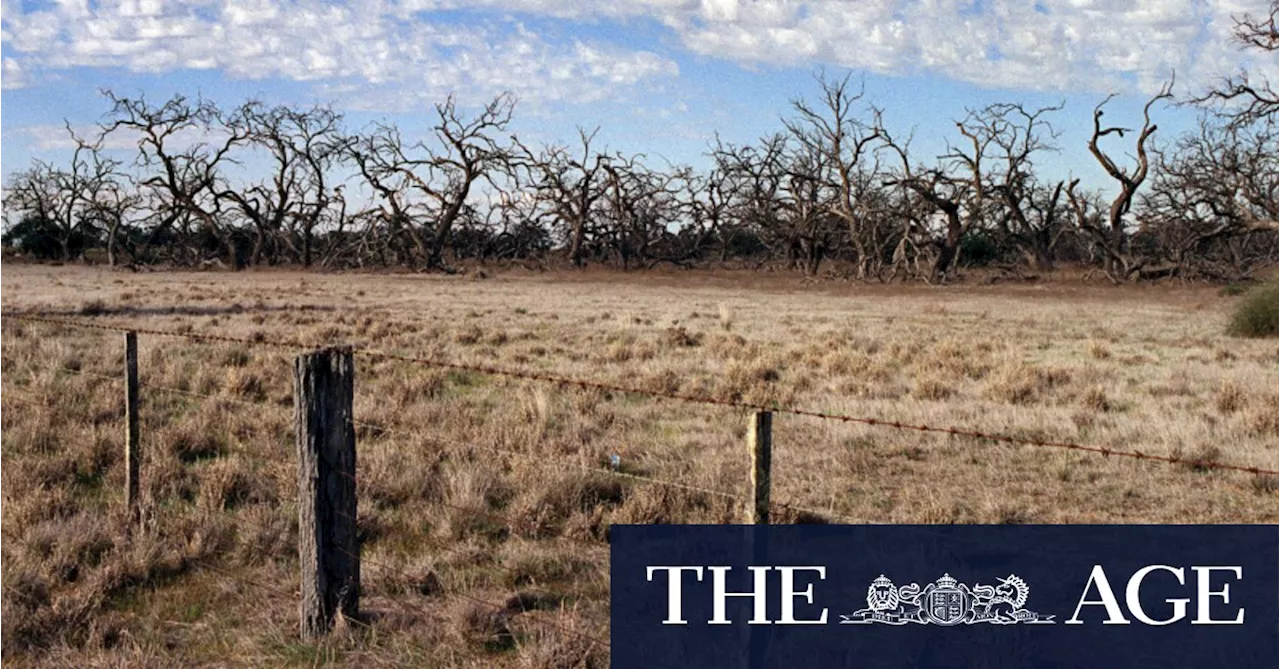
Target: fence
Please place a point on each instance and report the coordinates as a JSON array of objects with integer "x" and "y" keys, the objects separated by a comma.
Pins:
[{"x": 325, "y": 439}]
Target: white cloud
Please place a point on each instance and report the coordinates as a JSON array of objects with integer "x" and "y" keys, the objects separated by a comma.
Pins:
[
  {"x": 399, "y": 52},
  {"x": 375, "y": 52},
  {"x": 1070, "y": 45},
  {"x": 12, "y": 75}
]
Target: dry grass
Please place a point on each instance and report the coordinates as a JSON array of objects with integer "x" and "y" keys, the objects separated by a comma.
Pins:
[{"x": 488, "y": 489}]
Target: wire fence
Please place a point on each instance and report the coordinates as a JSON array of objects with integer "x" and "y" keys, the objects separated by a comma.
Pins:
[
  {"x": 586, "y": 384},
  {"x": 549, "y": 461}
]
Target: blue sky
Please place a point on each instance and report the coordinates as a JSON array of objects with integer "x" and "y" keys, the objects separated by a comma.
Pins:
[{"x": 661, "y": 77}]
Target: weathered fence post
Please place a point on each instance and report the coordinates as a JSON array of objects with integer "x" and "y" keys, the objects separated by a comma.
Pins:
[
  {"x": 131, "y": 454},
  {"x": 328, "y": 550},
  {"x": 760, "y": 442}
]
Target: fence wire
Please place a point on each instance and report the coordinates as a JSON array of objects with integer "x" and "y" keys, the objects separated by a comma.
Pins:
[
  {"x": 1197, "y": 463},
  {"x": 400, "y": 575}
]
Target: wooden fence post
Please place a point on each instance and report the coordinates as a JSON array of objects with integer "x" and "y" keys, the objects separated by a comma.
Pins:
[
  {"x": 328, "y": 550},
  {"x": 760, "y": 442},
  {"x": 131, "y": 454}
]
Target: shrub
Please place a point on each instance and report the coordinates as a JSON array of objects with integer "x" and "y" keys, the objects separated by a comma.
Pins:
[
  {"x": 979, "y": 249},
  {"x": 41, "y": 238},
  {"x": 679, "y": 336},
  {"x": 1095, "y": 399},
  {"x": 1258, "y": 315},
  {"x": 1234, "y": 289}
]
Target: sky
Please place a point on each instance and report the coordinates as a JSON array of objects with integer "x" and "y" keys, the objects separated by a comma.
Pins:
[{"x": 660, "y": 77}]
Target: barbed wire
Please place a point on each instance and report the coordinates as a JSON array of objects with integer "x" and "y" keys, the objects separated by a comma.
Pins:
[
  {"x": 269, "y": 587},
  {"x": 37, "y": 318},
  {"x": 204, "y": 396},
  {"x": 154, "y": 386},
  {"x": 543, "y": 459},
  {"x": 1196, "y": 463},
  {"x": 537, "y": 459}
]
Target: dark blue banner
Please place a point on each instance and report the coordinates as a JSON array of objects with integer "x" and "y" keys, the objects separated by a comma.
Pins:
[{"x": 944, "y": 596}]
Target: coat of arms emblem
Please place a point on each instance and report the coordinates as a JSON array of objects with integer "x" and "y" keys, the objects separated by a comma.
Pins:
[{"x": 947, "y": 602}]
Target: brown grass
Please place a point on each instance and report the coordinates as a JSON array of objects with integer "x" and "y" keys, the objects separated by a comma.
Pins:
[
  {"x": 483, "y": 488},
  {"x": 1230, "y": 397}
]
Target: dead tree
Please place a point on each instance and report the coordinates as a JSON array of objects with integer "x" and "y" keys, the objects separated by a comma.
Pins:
[
  {"x": 1242, "y": 100},
  {"x": 390, "y": 217},
  {"x": 805, "y": 202},
  {"x": 440, "y": 172},
  {"x": 89, "y": 199},
  {"x": 947, "y": 196},
  {"x": 42, "y": 194},
  {"x": 847, "y": 142},
  {"x": 287, "y": 208},
  {"x": 785, "y": 198},
  {"x": 639, "y": 204},
  {"x": 708, "y": 201},
  {"x": 111, "y": 207},
  {"x": 1032, "y": 212},
  {"x": 1111, "y": 239},
  {"x": 1211, "y": 186},
  {"x": 517, "y": 232},
  {"x": 182, "y": 146},
  {"x": 956, "y": 189},
  {"x": 567, "y": 188},
  {"x": 755, "y": 203}
]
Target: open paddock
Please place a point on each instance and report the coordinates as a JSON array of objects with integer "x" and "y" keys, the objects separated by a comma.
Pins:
[{"x": 485, "y": 501}]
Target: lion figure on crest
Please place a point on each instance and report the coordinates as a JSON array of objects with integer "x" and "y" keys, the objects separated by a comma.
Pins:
[{"x": 882, "y": 595}]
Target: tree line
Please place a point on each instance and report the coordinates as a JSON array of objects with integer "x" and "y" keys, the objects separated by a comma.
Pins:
[{"x": 835, "y": 186}]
